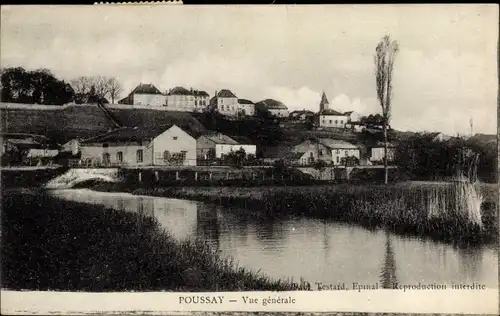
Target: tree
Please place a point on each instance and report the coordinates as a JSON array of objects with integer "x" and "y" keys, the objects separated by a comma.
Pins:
[
  {"x": 385, "y": 54},
  {"x": 93, "y": 89},
  {"x": 37, "y": 86},
  {"x": 115, "y": 88}
]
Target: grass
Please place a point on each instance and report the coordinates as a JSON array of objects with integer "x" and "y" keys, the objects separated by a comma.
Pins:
[
  {"x": 405, "y": 208},
  {"x": 49, "y": 244},
  {"x": 84, "y": 121}
]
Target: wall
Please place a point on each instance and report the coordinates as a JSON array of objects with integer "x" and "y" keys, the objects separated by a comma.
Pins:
[
  {"x": 339, "y": 153},
  {"x": 279, "y": 112},
  {"x": 180, "y": 102},
  {"x": 333, "y": 120},
  {"x": 228, "y": 106},
  {"x": 150, "y": 99},
  {"x": 378, "y": 154},
  {"x": 167, "y": 142},
  {"x": 129, "y": 150}
]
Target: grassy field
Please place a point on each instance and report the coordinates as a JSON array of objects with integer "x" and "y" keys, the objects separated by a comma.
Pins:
[
  {"x": 48, "y": 244},
  {"x": 84, "y": 121}
]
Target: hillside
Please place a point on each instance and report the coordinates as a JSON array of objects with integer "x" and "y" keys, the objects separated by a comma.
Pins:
[{"x": 84, "y": 121}]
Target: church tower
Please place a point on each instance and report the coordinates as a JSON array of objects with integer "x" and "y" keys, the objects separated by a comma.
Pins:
[{"x": 324, "y": 104}]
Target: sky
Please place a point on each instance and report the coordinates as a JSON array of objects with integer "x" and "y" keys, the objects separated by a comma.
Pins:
[{"x": 445, "y": 72}]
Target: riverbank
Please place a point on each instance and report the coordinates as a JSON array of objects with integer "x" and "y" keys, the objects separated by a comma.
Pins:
[
  {"x": 56, "y": 245},
  {"x": 441, "y": 211}
]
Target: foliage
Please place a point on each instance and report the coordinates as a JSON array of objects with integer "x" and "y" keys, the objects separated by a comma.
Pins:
[
  {"x": 34, "y": 87},
  {"x": 236, "y": 158},
  {"x": 320, "y": 165},
  {"x": 349, "y": 161},
  {"x": 426, "y": 159}
]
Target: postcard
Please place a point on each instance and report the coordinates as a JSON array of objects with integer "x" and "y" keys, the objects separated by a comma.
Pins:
[{"x": 283, "y": 158}]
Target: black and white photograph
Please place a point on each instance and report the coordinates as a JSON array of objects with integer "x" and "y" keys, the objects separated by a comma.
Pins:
[{"x": 278, "y": 150}]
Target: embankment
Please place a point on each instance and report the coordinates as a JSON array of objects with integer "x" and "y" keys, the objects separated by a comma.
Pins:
[
  {"x": 454, "y": 212},
  {"x": 70, "y": 246},
  {"x": 28, "y": 177}
]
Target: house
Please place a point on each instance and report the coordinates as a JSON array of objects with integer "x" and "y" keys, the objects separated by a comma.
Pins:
[
  {"x": 216, "y": 145},
  {"x": 332, "y": 118},
  {"x": 302, "y": 115},
  {"x": 340, "y": 150},
  {"x": 376, "y": 152},
  {"x": 226, "y": 103},
  {"x": 145, "y": 94},
  {"x": 168, "y": 145},
  {"x": 182, "y": 99},
  {"x": 28, "y": 149},
  {"x": 247, "y": 107},
  {"x": 275, "y": 108},
  {"x": 436, "y": 137}
]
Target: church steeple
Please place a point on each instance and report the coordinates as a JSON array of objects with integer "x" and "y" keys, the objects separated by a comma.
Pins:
[{"x": 324, "y": 104}]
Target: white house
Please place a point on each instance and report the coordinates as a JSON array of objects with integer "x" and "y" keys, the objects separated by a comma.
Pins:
[
  {"x": 246, "y": 107},
  {"x": 226, "y": 103},
  {"x": 182, "y": 99},
  {"x": 167, "y": 145},
  {"x": 217, "y": 145},
  {"x": 275, "y": 108},
  {"x": 340, "y": 149},
  {"x": 332, "y": 118},
  {"x": 145, "y": 94}
]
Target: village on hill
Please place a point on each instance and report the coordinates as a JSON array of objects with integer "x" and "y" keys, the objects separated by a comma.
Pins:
[{"x": 188, "y": 127}]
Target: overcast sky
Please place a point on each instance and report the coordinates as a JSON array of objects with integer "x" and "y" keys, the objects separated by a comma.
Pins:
[{"x": 445, "y": 72}]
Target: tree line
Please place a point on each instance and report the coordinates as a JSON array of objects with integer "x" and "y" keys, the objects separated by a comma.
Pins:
[{"x": 42, "y": 87}]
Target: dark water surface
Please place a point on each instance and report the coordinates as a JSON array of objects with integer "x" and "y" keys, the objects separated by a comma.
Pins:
[{"x": 315, "y": 250}]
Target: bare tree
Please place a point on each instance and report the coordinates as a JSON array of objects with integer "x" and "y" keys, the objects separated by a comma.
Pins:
[
  {"x": 385, "y": 55},
  {"x": 115, "y": 88},
  {"x": 81, "y": 85},
  {"x": 91, "y": 87}
]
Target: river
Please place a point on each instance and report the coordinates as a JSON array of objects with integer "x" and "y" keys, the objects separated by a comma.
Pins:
[{"x": 317, "y": 251}]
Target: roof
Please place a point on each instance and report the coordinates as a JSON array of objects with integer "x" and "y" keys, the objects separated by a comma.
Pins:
[
  {"x": 336, "y": 144},
  {"x": 219, "y": 138},
  {"x": 271, "y": 104},
  {"x": 179, "y": 91},
  {"x": 242, "y": 140},
  {"x": 298, "y": 112},
  {"x": 331, "y": 112},
  {"x": 200, "y": 93},
  {"x": 128, "y": 134},
  {"x": 146, "y": 89},
  {"x": 244, "y": 101},
  {"x": 224, "y": 93}
]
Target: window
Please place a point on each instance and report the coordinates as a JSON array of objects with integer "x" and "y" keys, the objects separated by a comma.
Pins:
[
  {"x": 336, "y": 121},
  {"x": 338, "y": 159},
  {"x": 105, "y": 145},
  {"x": 346, "y": 153},
  {"x": 175, "y": 137},
  {"x": 119, "y": 157},
  {"x": 166, "y": 155},
  {"x": 321, "y": 152},
  {"x": 221, "y": 101},
  {"x": 139, "y": 155},
  {"x": 338, "y": 151},
  {"x": 341, "y": 122},
  {"x": 330, "y": 121}
]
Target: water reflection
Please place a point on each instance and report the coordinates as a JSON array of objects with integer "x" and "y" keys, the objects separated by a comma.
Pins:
[
  {"x": 388, "y": 271},
  {"x": 317, "y": 251}
]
